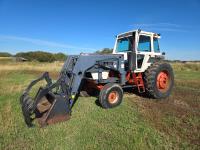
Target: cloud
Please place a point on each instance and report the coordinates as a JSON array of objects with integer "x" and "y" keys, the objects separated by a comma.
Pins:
[
  {"x": 157, "y": 24},
  {"x": 167, "y": 29},
  {"x": 43, "y": 42},
  {"x": 162, "y": 26}
]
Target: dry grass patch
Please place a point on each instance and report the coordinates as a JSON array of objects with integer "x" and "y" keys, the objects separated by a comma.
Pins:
[{"x": 32, "y": 66}]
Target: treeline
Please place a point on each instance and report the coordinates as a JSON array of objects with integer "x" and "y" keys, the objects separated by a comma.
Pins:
[
  {"x": 42, "y": 56},
  {"x": 37, "y": 56},
  {"x": 5, "y": 54}
]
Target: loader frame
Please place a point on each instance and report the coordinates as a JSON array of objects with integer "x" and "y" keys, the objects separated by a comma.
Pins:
[{"x": 66, "y": 89}]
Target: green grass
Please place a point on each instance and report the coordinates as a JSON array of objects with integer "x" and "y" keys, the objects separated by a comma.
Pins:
[
  {"x": 138, "y": 123},
  {"x": 90, "y": 127}
]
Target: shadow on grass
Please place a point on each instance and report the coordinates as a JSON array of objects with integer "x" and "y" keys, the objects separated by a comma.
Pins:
[
  {"x": 97, "y": 103},
  {"x": 129, "y": 91}
]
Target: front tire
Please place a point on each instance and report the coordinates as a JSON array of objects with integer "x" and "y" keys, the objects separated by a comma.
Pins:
[
  {"x": 111, "y": 95},
  {"x": 159, "y": 80}
]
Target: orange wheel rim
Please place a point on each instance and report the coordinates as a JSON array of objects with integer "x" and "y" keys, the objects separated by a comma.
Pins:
[
  {"x": 113, "y": 97},
  {"x": 163, "y": 81}
]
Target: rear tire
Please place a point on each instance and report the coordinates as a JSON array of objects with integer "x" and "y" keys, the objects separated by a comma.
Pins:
[
  {"x": 111, "y": 95},
  {"x": 159, "y": 80}
]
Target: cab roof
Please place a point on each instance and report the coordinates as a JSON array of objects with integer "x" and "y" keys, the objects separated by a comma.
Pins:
[{"x": 129, "y": 33}]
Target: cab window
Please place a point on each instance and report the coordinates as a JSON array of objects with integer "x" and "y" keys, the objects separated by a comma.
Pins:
[
  {"x": 144, "y": 44},
  {"x": 122, "y": 45},
  {"x": 156, "y": 45}
]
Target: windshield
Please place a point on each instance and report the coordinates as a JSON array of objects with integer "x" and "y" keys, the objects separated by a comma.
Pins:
[
  {"x": 144, "y": 44},
  {"x": 124, "y": 44}
]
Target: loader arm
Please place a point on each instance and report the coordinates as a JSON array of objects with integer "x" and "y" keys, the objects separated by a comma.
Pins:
[{"x": 76, "y": 68}]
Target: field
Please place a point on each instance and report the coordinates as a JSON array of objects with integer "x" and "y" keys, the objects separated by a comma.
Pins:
[{"x": 139, "y": 123}]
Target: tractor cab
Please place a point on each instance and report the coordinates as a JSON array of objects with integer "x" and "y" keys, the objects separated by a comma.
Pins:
[{"x": 140, "y": 49}]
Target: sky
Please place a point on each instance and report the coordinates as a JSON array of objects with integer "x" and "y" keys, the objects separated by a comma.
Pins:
[{"x": 74, "y": 26}]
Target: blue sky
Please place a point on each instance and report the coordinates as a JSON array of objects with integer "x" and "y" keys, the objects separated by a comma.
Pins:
[{"x": 89, "y": 25}]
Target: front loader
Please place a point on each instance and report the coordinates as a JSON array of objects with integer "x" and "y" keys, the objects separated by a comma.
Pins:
[{"x": 136, "y": 63}]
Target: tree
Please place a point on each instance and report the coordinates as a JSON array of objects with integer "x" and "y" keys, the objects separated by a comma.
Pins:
[
  {"x": 105, "y": 51},
  {"x": 37, "y": 56},
  {"x": 60, "y": 56}
]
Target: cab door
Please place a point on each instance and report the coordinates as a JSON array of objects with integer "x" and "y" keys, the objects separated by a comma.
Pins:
[{"x": 144, "y": 51}]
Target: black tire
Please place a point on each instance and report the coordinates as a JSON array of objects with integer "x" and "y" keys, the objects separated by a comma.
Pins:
[
  {"x": 153, "y": 80},
  {"x": 111, "y": 95}
]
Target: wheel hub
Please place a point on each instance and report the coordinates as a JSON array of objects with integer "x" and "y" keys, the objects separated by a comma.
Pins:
[
  {"x": 113, "y": 97},
  {"x": 162, "y": 81}
]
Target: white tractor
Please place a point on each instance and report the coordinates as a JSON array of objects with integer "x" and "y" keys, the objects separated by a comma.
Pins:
[{"x": 136, "y": 63}]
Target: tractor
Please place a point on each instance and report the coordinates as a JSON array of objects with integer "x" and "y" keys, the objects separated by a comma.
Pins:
[{"x": 136, "y": 63}]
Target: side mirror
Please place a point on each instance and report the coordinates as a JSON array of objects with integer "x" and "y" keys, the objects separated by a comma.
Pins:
[{"x": 163, "y": 53}]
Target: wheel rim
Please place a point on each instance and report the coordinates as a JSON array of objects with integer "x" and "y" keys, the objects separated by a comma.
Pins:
[
  {"x": 163, "y": 81},
  {"x": 113, "y": 97}
]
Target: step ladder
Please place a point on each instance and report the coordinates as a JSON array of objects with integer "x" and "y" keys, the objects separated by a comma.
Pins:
[{"x": 139, "y": 82}]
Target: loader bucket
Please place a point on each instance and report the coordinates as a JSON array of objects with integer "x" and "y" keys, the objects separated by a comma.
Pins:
[{"x": 46, "y": 108}]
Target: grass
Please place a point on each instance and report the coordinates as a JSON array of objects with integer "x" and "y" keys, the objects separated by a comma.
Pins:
[{"x": 139, "y": 123}]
